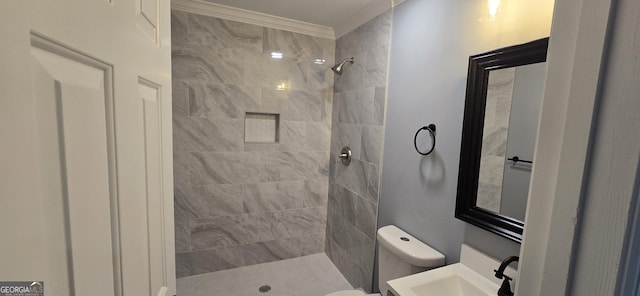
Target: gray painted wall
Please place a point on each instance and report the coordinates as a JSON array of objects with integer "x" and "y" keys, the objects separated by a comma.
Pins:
[{"x": 431, "y": 43}]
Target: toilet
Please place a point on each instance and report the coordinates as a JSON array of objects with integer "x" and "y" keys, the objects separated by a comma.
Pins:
[{"x": 399, "y": 255}]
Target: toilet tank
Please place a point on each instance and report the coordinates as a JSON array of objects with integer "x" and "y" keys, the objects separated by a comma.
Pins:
[{"x": 400, "y": 254}]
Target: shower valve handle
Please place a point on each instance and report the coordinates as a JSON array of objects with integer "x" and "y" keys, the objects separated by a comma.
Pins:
[{"x": 345, "y": 156}]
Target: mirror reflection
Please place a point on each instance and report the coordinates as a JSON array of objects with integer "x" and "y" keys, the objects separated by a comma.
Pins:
[
  {"x": 514, "y": 97},
  {"x": 502, "y": 105}
]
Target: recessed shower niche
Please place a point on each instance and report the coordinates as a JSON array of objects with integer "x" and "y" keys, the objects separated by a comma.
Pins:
[{"x": 261, "y": 128}]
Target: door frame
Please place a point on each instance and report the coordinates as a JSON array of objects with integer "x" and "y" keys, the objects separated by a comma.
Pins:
[
  {"x": 578, "y": 34},
  {"x": 556, "y": 216}
]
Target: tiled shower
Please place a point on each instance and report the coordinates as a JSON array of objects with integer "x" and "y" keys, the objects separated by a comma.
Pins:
[
  {"x": 258, "y": 121},
  {"x": 357, "y": 122}
]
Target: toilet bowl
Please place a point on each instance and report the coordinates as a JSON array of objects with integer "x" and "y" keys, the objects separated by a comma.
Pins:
[{"x": 399, "y": 255}]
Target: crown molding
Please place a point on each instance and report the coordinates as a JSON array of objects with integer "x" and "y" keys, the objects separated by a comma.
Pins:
[
  {"x": 371, "y": 10},
  {"x": 252, "y": 17}
]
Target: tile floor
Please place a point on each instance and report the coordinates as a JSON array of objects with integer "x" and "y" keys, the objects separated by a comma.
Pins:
[{"x": 313, "y": 275}]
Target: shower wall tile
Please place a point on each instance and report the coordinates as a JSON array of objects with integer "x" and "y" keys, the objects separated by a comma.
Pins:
[
  {"x": 358, "y": 40},
  {"x": 179, "y": 30},
  {"x": 182, "y": 223},
  {"x": 192, "y": 134},
  {"x": 316, "y": 192},
  {"x": 371, "y": 139},
  {"x": 291, "y": 132},
  {"x": 218, "y": 33},
  {"x": 285, "y": 224},
  {"x": 268, "y": 197},
  {"x": 490, "y": 182},
  {"x": 304, "y": 48},
  {"x": 219, "y": 232},
  {"x": 224, "y": 168},
  {"x": 204, "y": 261},
  {"x": 298, "y": 105},
  {"x": 353, "y": 76},
  {"x": 289, "y": 73},
  {"x": 331, "y": 246},
  {"x": 353, "y": 176},
  {"x": 179, "y": 98},
  {"x": 343, "y": 233},
  {"x": 317, "y": 135},
  {"x": 343, "y": 202},
  {"x": 304, "y": 136},
  {"x": 384, "y": 28},
  {"x": 347, "y": 135},
  {"x": 226, "y": 100},
  {"x": 286, "y": 248},
  {"x": 210, "y": 201},
  {"x": 373, "y": 181},
  {"x": 267, "y": 226},
  {"x": 376, "y": 66},
  {"x": 181, "y": 171},
  {"x": 350, "y": 250},
  {"x": 364, "y": 102},
  {"x": 208, "y": 65},
  {"x": 344, "y": 263},
  {"x": 494, "y": 139},
  {"x": 183, "y": 238},
  {"x": 283, "y": 166},
  {"x": 358, "y": 122},
  {"x": 211, "y": 260},
  {"x": 362, "y": 258},
  {"x": 366, "y": 217},
  {"x": 379, "y": 102},
  {"x": 355, "y": 106},
  {"x": 243, "y": 203}
]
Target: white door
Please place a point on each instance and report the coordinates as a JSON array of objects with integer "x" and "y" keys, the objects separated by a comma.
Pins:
[{"x": 86, "y": 200}]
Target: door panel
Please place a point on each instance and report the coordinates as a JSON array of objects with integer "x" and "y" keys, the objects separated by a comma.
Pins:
[
  {"x": 72, "y": 98},
  {"x": 148, "y": 18},
  {"x": 86, "y": 180},
  {"x": 150, "y": 94},
  {"x": 86, "y": 159}
]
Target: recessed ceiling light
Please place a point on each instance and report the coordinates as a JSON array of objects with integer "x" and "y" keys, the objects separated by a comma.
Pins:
[
  {"x": 277, "y": 55},
  {"x": 319, "y": 61}
]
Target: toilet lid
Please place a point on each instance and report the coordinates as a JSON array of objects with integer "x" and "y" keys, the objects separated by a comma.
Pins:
[{"x": 347, "y": 293}]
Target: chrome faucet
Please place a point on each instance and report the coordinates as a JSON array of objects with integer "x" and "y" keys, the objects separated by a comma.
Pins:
[{"x": 505, "y": 289}]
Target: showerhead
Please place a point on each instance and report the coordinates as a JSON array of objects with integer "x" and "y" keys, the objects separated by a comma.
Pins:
[{"x": 340, "y": 67}]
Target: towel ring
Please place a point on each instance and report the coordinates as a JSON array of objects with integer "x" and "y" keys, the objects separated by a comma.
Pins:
[{"x": 432, "y": 132}]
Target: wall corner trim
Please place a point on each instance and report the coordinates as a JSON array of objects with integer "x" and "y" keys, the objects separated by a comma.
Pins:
[{"x": 252, "y": 17}]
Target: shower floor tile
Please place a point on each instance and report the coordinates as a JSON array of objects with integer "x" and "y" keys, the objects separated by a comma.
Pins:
[{"x": 313, "y": 275}]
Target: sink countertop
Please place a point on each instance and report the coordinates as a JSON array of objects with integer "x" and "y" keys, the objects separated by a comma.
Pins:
[
  {"x": 450, "y": 280},
  {"x": 473, "y": 276}
]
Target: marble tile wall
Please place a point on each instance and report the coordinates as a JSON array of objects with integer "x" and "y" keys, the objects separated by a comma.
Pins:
[
  {"x": 240, "y": 203},
  {"x": 358, "y": 118},
  {"x": 494, "y": 139}
]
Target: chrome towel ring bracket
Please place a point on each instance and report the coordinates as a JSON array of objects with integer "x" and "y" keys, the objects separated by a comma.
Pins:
[{"x": 432, "y": 132}]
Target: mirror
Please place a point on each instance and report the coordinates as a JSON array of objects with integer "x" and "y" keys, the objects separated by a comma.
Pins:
[{"x": 504, "y": 95}]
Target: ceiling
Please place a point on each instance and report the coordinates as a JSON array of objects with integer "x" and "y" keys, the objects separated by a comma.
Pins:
[{"x": 331, "y": 13}]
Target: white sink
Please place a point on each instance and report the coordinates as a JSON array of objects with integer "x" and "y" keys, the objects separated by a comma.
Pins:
[
  {"x": 451, "y": 280},
  {"x": 473, "y": 276}
]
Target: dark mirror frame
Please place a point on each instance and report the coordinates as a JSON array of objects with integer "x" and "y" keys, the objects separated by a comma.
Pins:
[{"x": 475, "y": 103}]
